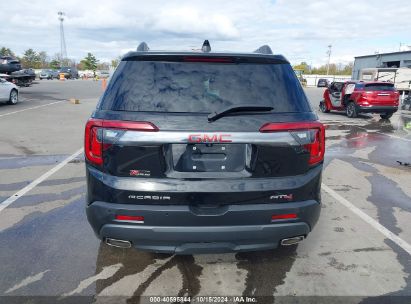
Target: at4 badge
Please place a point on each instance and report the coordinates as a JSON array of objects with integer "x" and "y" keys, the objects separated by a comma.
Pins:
[{"x": 140, "y": 173}]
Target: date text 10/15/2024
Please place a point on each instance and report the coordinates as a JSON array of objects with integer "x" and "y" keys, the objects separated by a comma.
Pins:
[{"x": 202, "y": 299}]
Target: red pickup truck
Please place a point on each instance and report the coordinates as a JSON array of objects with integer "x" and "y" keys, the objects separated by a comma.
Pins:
[{"x": 361, "y": 97}]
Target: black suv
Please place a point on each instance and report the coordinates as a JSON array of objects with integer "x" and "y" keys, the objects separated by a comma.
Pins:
[
  {"x": 69, "y": 72},
  {"x": 9, "y": 65},
  {"x": 193, "y": 152}
]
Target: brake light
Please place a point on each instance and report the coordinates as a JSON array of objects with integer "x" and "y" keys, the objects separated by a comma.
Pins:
[
  {"x": 130, "y": 218},
  {"x": 284, "y": 216},
  {"x": 310, "y": 134},
  {"x": 93, "y": 136},
  {"x": 208, "y": 59}
]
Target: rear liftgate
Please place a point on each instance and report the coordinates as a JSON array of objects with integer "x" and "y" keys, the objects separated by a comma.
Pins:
[{"x": 140, "y": 149}]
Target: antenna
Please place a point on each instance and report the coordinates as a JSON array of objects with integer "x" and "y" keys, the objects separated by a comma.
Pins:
[
  {"x": 206, "y": 48},
  {"x": 63, "y": 50},
  {"x": 143, "y": 47},
  {"x": 264, "y": 49}
]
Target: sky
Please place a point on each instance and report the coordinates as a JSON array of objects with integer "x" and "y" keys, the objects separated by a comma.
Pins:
[{"x": 299, "y": 30}]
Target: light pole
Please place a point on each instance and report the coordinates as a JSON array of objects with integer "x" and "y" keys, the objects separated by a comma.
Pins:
[
  {"x": 329, "y": 56},
  {"x": 63, "y": 50}
]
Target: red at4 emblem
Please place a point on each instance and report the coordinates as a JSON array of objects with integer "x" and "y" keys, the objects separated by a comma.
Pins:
[
  {"x": 140, "y": 173},
  {"x": 209, "y": 138}
]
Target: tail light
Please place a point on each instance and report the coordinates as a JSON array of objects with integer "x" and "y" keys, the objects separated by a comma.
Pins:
[
  {"x": 311, "y": 135},
  {"x": 93, "y": 137},
  {"x": 363, "y": 98},
  {"x": 93, "y": 146},
  {"x": 397, "y": 97}
]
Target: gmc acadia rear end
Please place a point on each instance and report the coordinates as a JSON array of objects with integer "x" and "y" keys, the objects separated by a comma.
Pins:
[{"x": 193, "y": 152}]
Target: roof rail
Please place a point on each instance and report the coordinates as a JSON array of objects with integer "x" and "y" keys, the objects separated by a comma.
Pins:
[
  {"x": 264, "y": 49},
  {"x": 206, "y": 48},
  {"x": 142, "y": 47}
]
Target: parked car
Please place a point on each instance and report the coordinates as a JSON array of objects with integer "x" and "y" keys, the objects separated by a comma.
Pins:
[
  {"x": 55, "y": 74},
  {"x": 406, "y": 104},
  {"x": 103, "y": 74},
  {"x": 202, "y": 152},
  {"x": 322, "y": 82},
  {"x": 361, "y": 97},
  {"x": 46, "y": 74},
  {"x": 69, "y": 72},
  {"x": 29, "y": 72},
  {"x": 9, "y": 64},
  {"x": 8, "y": 92}
]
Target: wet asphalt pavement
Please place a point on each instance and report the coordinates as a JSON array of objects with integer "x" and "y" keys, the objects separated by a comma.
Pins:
[{"x": 49, "y": 253}]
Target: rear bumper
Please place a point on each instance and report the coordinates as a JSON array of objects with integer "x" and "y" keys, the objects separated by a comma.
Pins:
[
  {"x": 377, "y": 109},
  {"x": 188, "y": 230}
]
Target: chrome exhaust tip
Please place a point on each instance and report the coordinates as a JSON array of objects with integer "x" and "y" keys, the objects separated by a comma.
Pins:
[
  {"x": 117, "y": 243},
  {"x": 292, "y": 241}
]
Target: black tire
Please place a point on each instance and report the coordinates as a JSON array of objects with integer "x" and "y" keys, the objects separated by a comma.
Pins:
[
  {"x": 351, "y": 110},
  {"x": 386, "y": 115},
  {"x": 14, "y": 97},
  {"x": 323, "y": 107}
]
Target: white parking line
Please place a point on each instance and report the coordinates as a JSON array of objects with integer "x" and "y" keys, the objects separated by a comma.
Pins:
[
  {"x": 32, "y": 108},
  {"x": 387, "y": 233},
  {"x": 37, "y": 181},
  {"x": 27, "y": 281},
  {"x": 106, "y": 273}
]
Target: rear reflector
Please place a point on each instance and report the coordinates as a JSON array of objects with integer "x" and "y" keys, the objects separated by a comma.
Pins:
[
  {"x": 130, "y": 218},
  {"x": 311, "y": 136},
  {"x": 284, "y": 216},
  {"x": 93, "y": 137}
]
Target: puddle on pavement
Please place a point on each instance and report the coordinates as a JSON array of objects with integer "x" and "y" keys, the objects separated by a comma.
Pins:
[
  {"x": 386, "y": 150},
  {"x": 401, "y": 123},
  {"x": 396, "y": 296},
  {"x": 386, "y": 194},
  {"x": 266, "y": 270},
  {"x": 135, "y": 262}
]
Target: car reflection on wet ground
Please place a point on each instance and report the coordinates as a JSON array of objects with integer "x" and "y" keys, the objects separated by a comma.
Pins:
[{"x": 49, "y": 250}]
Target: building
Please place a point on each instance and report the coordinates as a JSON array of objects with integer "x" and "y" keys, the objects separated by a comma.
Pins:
[{"x": 385, "y": 60}]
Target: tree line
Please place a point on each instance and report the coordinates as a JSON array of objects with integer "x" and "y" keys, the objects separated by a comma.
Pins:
[
  {"x": 41, "y": 60},
  {"x": 334, "y": 69}
]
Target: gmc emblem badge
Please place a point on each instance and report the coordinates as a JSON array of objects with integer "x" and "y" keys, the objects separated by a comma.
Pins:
[{"x": 206, "y": 138}]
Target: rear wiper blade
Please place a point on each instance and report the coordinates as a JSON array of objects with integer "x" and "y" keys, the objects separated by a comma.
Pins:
[{"x": 238, "y": 108}]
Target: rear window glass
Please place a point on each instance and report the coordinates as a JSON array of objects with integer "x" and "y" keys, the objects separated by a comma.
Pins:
[
  {"x": 158, "y": 86},
  {"x": 379, "y": 87}
]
